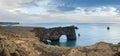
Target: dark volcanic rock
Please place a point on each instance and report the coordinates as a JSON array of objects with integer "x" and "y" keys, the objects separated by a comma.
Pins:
[{"x": 55, "y": 33}]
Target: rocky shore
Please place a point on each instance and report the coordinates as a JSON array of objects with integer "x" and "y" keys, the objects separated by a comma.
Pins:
[{"x": 22, "y": 41}]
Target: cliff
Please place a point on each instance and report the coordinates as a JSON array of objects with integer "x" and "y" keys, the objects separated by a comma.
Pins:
[{"x": 23, "y": 41}]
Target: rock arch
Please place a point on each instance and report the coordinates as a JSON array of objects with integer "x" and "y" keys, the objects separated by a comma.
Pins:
[{"x": 54, "y": 34}]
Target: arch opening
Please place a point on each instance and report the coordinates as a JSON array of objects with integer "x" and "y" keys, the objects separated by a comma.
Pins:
[{"x": 63, "y": 38}]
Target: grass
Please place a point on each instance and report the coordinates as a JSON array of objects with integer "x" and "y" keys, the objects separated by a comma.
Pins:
[
  {"x": 7, "y": 47},
  {"x": 5, "y": 52},
  {"x": 116, "y": 45},
  {"x": 51, "y": 50}
]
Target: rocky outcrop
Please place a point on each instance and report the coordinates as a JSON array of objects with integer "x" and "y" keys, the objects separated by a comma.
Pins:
[
  {"x": 55, "y": 33},
  {"x": 40, "y": 32}
]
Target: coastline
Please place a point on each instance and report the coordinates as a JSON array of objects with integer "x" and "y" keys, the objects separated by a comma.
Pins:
[{"x": 22, "y": 41}]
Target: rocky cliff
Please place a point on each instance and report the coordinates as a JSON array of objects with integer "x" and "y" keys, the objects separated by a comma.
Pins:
[
  {"x": 22, "y": 41},
  {"x": 54, "y": 34}
]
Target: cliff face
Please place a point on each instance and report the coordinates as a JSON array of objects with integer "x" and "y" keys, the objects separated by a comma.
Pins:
[{"x": 22, "y": 41}]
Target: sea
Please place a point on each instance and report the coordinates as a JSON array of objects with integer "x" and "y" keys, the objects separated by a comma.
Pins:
[{"x": 90, "y": 33}]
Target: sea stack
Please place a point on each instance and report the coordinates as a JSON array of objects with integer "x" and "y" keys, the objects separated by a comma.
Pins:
[{"x": 108, "y": 28}]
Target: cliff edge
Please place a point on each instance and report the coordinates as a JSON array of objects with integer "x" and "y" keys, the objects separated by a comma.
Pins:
[{"x": 21, "y": 41}]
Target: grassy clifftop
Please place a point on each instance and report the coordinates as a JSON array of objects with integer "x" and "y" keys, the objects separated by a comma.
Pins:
[
  {"x": 28, "y": 47},
  {"x": 20, "y": 41}
]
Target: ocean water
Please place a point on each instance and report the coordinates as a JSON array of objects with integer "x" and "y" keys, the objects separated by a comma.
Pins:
[{"x": 90, "y": 33}]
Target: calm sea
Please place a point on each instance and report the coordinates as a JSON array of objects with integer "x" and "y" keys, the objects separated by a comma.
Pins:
[{"x": 90, "y": 33}]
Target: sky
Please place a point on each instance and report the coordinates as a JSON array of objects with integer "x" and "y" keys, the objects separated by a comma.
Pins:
[{"x": 78, "y": 11}]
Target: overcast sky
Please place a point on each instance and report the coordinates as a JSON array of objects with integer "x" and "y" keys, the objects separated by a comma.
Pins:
[{"x": 80, "y": 11}]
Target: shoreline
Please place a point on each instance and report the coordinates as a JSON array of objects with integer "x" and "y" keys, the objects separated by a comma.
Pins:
[{"x": 24, "y": 40}]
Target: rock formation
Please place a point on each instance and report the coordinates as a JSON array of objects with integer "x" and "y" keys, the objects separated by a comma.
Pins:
[{"x": 55, "y": 33}]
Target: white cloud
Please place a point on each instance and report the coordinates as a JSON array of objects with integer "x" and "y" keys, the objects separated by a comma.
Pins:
[{"x": 22, "y": 11}]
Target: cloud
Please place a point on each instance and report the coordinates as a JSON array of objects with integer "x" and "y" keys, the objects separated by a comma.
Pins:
[
  {"x": 71, "y": 4},
  {"x": 96, "y": 11}
]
